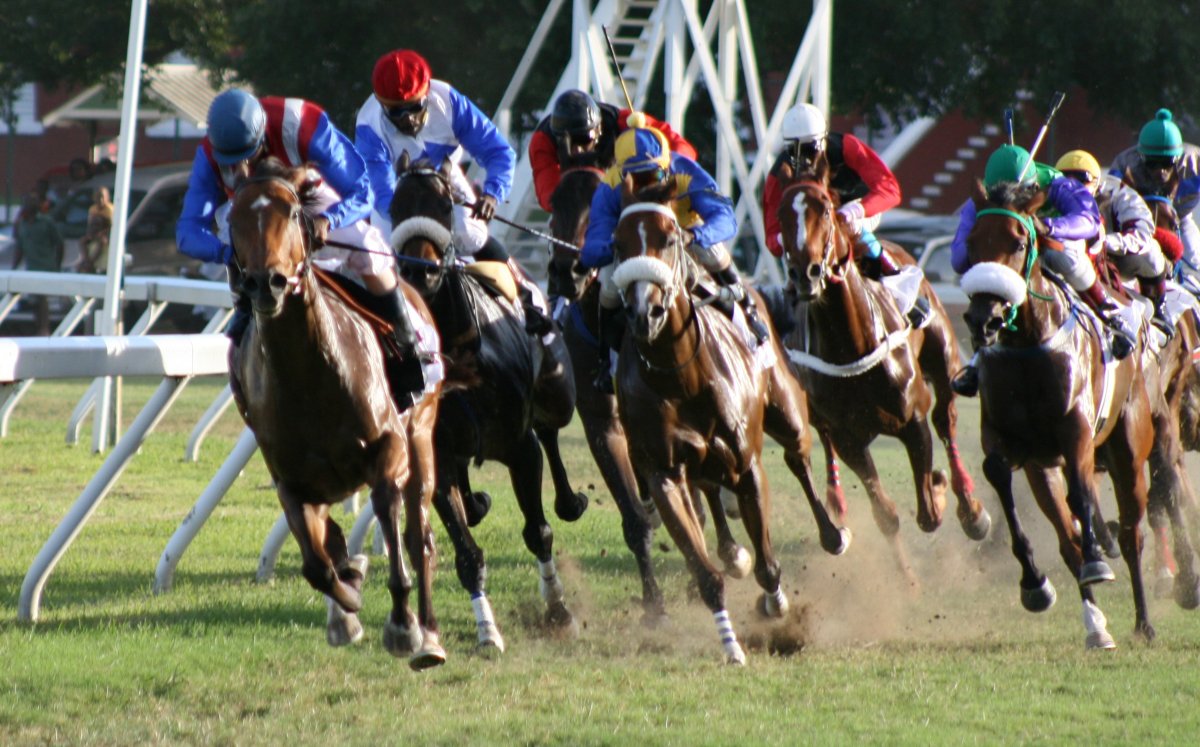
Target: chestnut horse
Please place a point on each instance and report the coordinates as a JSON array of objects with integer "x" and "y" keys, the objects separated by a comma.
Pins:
[
  {"x": 867, "y": 371},
  {"x": 308, "y": 377},
  {"x": 578, "y": 292},
  {"x": 695, "y": 399},
  {"x": 502, "y": 396},
  {"x": 1053, "y": 402}
]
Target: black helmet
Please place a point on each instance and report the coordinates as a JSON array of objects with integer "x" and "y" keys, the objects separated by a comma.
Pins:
[{"x": 574, "y": 112}]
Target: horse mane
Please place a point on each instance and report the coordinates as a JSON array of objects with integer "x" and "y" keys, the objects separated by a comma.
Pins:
[{"x": 299, "y": 177}]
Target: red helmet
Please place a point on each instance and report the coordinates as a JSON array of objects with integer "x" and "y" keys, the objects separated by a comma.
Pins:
[{"x": 400, "y": 75}]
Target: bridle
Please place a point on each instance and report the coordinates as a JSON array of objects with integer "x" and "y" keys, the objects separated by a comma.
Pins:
[
  {"x": 831, "y": 267},
  {"x": 298, "y": 219}
]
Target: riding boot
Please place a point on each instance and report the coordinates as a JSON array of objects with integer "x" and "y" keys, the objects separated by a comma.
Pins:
[
  {"x": 612, "y": 333},
  {"x": 1155, "y": 289},
  {"x": 729, "y": 281},
  {"x": 406, "y": 375},
  {"x": 966, "y": 382},
  {"x": 873, "y": 261},
  {"x": 536, "y": 321},
  {"x": 242, "y": 314},
  {"x": 1123, "y": 338}
]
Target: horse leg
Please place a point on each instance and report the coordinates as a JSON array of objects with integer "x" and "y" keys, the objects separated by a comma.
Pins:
[
  {"x": 468, "y": 556},
  {"x": 1166, "y": 494},
  {"x": 1080, "y": 467},
  {"x": 607, "y": 442},
  {"x": 858, "y": 458},
  {"x": 754, "y": 501},
  {"x": 931, "y": 493},
  {"x": 835, "y": 498},
  {"x": 343, "y": 627},
  {"x": 1187, "y": 581},
  {"x": 670, "y": 494},
  {"x": 734, "y": 557},
  {"x": 568, "y": 504},
  {"x": 476, "y": 504},
  {"x": 525, "y": 474},
  {"x": 1126, "y": 449},
  {"x": 1037, "y": 593},
  {"x": 310, "y": 525}
]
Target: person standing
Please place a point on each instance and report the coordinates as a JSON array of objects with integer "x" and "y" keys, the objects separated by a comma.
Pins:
[
  {"x": 40, "y": 244},
  {"x": 95, "y": 239}
]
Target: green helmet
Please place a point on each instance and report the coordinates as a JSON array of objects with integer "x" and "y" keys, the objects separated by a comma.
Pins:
[
  {"x": 1161, "y": 137},
  {"x": 1006, "y": 165}
]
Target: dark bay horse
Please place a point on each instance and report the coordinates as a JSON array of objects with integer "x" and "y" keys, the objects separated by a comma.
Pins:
[
  {"x": 578, "y": 291},
  {"x": 502, "y": 395},
  {"x": 1053, "y": 403},
  {"x": 867, "y": 372},
  {"x": 309, "y": 380},
  {"x": 695, "y": 400}
]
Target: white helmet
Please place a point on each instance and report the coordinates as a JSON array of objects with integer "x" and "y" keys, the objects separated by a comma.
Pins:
[{"x": 804, "y": 122}]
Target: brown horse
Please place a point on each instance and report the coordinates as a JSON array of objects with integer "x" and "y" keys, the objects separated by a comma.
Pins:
[
  {"x": 309, "y": 380},
  {"x": 503, "y": 395},
  {"x": 867, "y": 371},
  {"x": 695, "y": 399},
  {"x": 578, "y": 291},
  {"x": 1053, "y": 402}
]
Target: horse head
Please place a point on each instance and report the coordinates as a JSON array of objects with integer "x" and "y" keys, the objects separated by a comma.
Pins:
[
  {"x": 1002, "y": 249},
  {"x": 816, "y": 247},
  {"x": 270, "y": 234},
  {"x": 649, "y": 247},
  {"x": 570, "y": 207},
  {"x": 421, "y": 210}
]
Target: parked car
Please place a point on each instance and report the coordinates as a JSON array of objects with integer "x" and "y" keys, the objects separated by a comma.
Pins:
[{"x": 155, "y": 201}]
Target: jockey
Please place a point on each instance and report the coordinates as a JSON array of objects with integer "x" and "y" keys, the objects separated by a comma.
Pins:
[
  {"x": 243, "y": 130},
  {"x": 705, "y": 216},
  {"x": 1075, "y": 220},
  {"x": 580, "y": 133},
  {"x": 865, "y": 185},
  {"x": 1159, "y": 156},
  {"x": 409, "y": 112},
  {"x": 1129, "y": 241}
]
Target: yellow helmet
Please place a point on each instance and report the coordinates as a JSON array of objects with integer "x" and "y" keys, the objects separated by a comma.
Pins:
[
  {"x": 1079, "y": 160},
  {"x": 642, "y": 149}
]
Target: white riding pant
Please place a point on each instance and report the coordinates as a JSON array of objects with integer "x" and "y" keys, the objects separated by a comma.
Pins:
[{"x": 1072, "y": 263}]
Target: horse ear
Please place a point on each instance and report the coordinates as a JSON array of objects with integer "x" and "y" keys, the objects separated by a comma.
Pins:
[
  {"x": 672, "y": 187},
  {"x": 979, "y": 194},
  {"x": 627, "y": 191},
  {"x": 785, "y": 172},
  {"x": 821, "y": 169},
  {"x": 402, "y": 163}
]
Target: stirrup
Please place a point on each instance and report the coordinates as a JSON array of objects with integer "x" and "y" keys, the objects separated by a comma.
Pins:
[
  {"x": 920, "y": 312},
  {"x": 603, "y": 382},
  {"x": 1162, "y": 324}
]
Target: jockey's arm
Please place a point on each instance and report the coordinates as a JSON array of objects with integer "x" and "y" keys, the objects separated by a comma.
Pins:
[
  {"x": 958, "y": 247},
  {"x": 1134, "y": 224},
  {"x": 883, "y": 188},
  {"x": 602, "y": 223},
  {"x": 378, "y": 159},
  {"x": 543, "y": 162},
  {"x": 772, "y": 192},
  {"x": 485, "y": 144},
  {"x": 714, "y": 208},
  {"x": 193, "y": 232},
  {"x": 342, "y": 168},
  {"x": 1078, "y": 217}
]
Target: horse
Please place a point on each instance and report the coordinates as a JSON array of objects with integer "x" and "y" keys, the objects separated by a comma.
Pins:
[
  {"x": 1177, "y": 425},
  {"x": 501, "y": 397},
  {"x": 695, "y": 399},
  {"x": 1053, "y": 403},
  {"x": 867, "y": 370},
  {"x": 578, "y": 290},
  {"x": 308, "y": 378}
]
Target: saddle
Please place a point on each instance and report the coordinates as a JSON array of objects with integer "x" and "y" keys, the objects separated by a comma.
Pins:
[{"x": 495, "y": 277}]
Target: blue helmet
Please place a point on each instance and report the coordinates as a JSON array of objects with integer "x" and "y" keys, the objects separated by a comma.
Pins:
[{"x": 236, "y": 126}]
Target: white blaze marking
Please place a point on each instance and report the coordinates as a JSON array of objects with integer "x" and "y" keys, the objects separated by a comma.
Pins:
[{"x": 801, "y": 229}]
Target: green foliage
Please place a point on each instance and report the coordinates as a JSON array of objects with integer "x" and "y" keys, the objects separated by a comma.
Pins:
[{"x": 222, "y": 660}]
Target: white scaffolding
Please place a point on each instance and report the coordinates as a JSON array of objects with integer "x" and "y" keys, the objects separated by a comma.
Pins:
[{"x": 642, "y": 31}]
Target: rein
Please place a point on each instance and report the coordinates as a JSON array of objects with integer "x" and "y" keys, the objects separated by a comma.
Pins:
[
  {"x": 835, "y": 272},
  {"x": 1031, "y": 253},
  {"x": 301, "y": 220}
]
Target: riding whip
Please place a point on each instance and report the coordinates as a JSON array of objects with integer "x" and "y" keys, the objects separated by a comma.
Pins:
[
  {"x": 617, "y": 65},
  {"x": 556, "y": 242},
  {"x": 1037, "y": 143},
  {"x": 1008, "y": 126}
]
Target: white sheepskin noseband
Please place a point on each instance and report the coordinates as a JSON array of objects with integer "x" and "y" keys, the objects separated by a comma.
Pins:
[
  {"x": 996, "y": 279},
  {"x": 650, "y": 269},
  {"x": 423, "y": 227}
]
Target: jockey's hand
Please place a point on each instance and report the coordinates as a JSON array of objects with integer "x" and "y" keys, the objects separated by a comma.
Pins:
[
  {"x": 686, "y": 236},
  {"x": 1039, "y": 226},
  {"x": 320, "y": 231},
  {"x": 485, "y": 208}
]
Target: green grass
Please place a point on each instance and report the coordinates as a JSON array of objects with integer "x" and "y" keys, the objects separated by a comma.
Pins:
[{"x": 222, "y": 660}]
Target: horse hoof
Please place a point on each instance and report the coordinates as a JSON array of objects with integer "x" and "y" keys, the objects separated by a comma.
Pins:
[
  {"x": 840, "y": 545},
  {"x": 491, "y": 643},
  {"x": 431, "y": 654},
  {"x": 562, "y": 621},
  {"x": 979, "y": 528},
  {"x": 1164, "y": 584},
  {"x": 1040, "y": 599},
  {"x": 477, "y": 505},
  {"x": 653, "y": 619},
  {"x": 1187, "y": 595},
  {"x": 1100, "y": 641},
  {"x": 571, "y": 510},
  {"x": 769, "y": 609},
  {"x": 734, "y": 655},
  {"x": 739, "y": 565},
  {"x": 1095, "y": 572},
  {"x": 401, "y": 640},
  {"x": 360, "y": 563},
  {"x": 344, "y": 631}
]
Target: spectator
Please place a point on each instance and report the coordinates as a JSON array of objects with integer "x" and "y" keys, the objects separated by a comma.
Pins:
[
  {"x": 79, "y": 171},
  {"x": 94, "y": 243},
  {"x": 40, "y": 244}
]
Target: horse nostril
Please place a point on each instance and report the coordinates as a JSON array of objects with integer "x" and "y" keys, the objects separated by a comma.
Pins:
[
  {"x": 814, "y": 272},
  {"x": 279, "y": 282},
  {"x": 657, "y": 312},
  {"x": 793, "y": 274}
]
